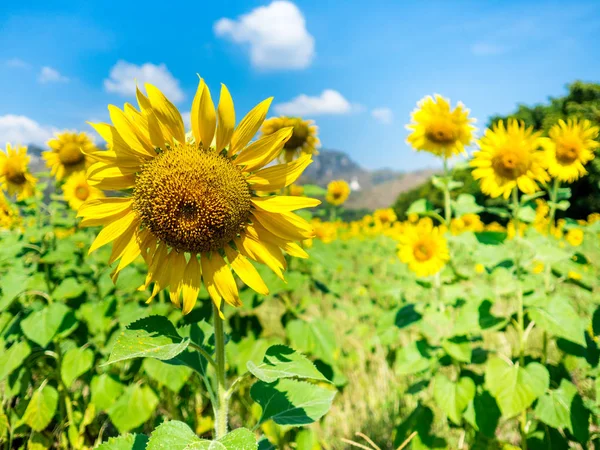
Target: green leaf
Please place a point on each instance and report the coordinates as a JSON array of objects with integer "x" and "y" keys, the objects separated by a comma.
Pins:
[
  {"x": 562, "y": 408},
  {"x": 483, "y": 414},
  {"x": 133, "y": 408},
  {"x": 466, "y": 204},
  {"x": 281, "y": 361},
  {"x": 75, "y": 363},
  {"x": 125, "y": 442},
  {"x": 105, "y": 391},
  {"x": 453, "y": 398},
  {"x": 315, "y": 338},
  {"x": 312, "y": 190},
  {"x": 172, "y": 435},
  {"x": 420, "y": 206},
  {"x": 458, "y": 348},
  {"x": 151, "y": 337},
  {"x": 41, "y": 326},
  {"x": 291, "y": 402},
  {"x": 68, "y": 288},
  {"x": 12, "y": 358},
  {"x": 491, "y": 237},
  {"x": 239, "y": 439},
  {"x": 560, "y": 319},
  {"x": 172, "y": 376},
  {"x": 412, "y": 358},
  {"x": 515, "y": 388},
  {"x": 563, "y": 193},
  {"x": 41, "y": 408},
  {"x": 527, "y": 214}
]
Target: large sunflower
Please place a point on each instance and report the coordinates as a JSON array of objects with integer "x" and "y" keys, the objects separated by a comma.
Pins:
[
  {"x": 572, "y": 146},
  {"x": 509, "y": 157},
  {"x": 190, "y": 207},
  {"x": 14, "y": 172},
  {"x": 69, "y": 153},
  {"x": 304, "y": 138},
  {"x": 424, "y": 248},
  {"x": 337, "y": 192},
  {"x": 77, "y": 191},
  {"x": 439, "y": 130}
]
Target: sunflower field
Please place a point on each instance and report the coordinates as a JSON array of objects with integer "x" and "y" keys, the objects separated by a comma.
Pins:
[{"x": 178, "y": 289}]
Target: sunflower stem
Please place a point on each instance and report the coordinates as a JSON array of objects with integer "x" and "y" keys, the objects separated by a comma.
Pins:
[
  {"x": 551, "y": 216},
  {"x": 221, "y": 406},
  {"x": 447, "y": 208}
]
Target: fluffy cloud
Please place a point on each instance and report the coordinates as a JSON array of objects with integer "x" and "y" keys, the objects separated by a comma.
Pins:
[
  {"x": 276, "y": 35},
  {"x": 329, "y": 102},
  {"x": 23, "y": 130},
  {"x": 50, "y": 75},
  {"x": 124, "y": 75},
  {"x": 384, "y": 115},
  {"x": 16, "y": 63}
]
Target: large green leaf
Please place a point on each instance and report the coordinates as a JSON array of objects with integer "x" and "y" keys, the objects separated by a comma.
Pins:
[
  {"x": 560, "y": 319},
  {"x": 483, "y": 414},
  {"x": 41, "y": 326},
  {"x": 125, "y": 442},
  {"x": 458, "y": 348},
  {"x": 515, "y": 388},
  {"x": 133, "y": 408},
  {"x": 68, "y": 288},
  {"x": 41, "y": 408},
  {"x": 281, "y": 361},
  {"x": 291, "y": 402},
  {"x": 412, "y": 358},
  {"x": 453, "y": 397},
  {"x": 172, "y": 376},
  {"x": 105, "y": 391},
  {"x": 12, "y": 358},
  {"x": 315, "y": 338},
  {"x": 175, "y": 435},
  {"x": 151, "y": 337},
  {"x": 75, "y": 363},
  {"x": 562, "y": 408}
]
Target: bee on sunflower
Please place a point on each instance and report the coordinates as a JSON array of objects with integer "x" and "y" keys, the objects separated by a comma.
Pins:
[
  {"x": 423, "y": 248},
  {"x": 338, "y": 192},
  {"x": 438, "y": 129},
  {"x": 69, "y": 153},
  {"x": 190, "y": 207},
  {"x": 14, "y": 172},
  {"x": 571, "y": 147},
  {"x": 304, "y": 140},
  {"x": 77, "y": 191},
  {"x": 509, "y": 157}
]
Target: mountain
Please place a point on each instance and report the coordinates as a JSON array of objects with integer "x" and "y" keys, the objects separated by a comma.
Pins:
[{"x": 371, "y": 189}]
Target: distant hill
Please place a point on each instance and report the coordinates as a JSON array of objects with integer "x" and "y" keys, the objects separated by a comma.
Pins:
[{"x": 372, "y": 189}]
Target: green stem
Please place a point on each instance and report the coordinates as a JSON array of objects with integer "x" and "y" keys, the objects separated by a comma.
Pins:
[
  {"x": 447, "y": 208},
  {"x": 333, "y": 214},
  {"x": 221, "y": 406},
  {"x": 552, "y": 214}
]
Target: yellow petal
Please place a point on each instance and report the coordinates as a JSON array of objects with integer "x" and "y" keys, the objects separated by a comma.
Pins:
[
  {"x": 264, "y": 150},
  {"x": 132, "y": 251},
  {"x": 102, "y": 207},
  {"x": 226, "y": 113},
  {"x": 249, "y": 125},
  {"x": 122, "y": 242},
  {"x": 208, "y": 118},
  {"x": 257, "y": 232},
  {"x": 113, "y": 231},
  {"x": 129, "y": 133},
  {"x": 263, "y": 252},
  {"x": 281, "y": 203},
  {"x": 288, "y": 226},
  {"x": 279, "y": 176},
  {"x": 196, "y": 113},
  {"x": 208, "y": 275},
  {"x": 191, "y": 284},
  {"x": 177, "y": 264},
  {"x": 223, "y": 279},
  {"x": 246, "y": 271},
  {"x": 166, "y": 112}
]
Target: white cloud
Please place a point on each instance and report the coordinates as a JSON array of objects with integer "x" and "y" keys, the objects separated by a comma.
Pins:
[
  {"x": 50, "y": 75},
  {"x": 384, "y": 115},
  {"x": 276, "y": 34},
  {"x": 23, "y": 130},
  {"x": 16, "y": 63},
  {"x": 329, "y": 102},
  {"x": 487, "y": 49},
  {"x": 187, "y": 120},
  {"x": 124, "y": 75}
]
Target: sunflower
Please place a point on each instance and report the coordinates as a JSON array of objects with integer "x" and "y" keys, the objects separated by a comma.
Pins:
[
  {"x": 14, "y": 172},
  {"x": 424, "y": 248},
  {"x": 77, "y": 190},
  {"x": 69, "y": 153},
  {"x": 296, "y": 190},
  {"x": 571, "y": 146},
  {"x": 190, "y": 207},
  {"x": 325, "y": 231},
  {"x": 8, "y": 216},
  {"x": 304, "y": 138},
  {"x": 385, "y": 216},
  {"x": 575, "y": 237},
  {"x": 439, "y": 130},
  {"x": 509, "y": 157},
  {"x": 337, "y": 192}
]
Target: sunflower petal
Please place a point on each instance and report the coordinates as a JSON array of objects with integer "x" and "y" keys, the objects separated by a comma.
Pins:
[
  {"x": 249, "y": 125},
  {"x": 226, "y": 115},
  {"x": 191, "y": 284},
  {"x": 208, "y": 118},
  {"x": 280, "y": 203},
  {"x": 288, "y": 226},
  {"x": 196, "y": 113},
  {"x": 263, "y": 252},
  {"x": 129, "y": 133},
  {"x": 166, "y": 112},
  {"x": 208, "y": 275},
  {"x": 246, "y": 271},
  {"x": 113, "y": 231},
  {"x": 279, "y": 176},
  {"x": 264, "y": 150}
]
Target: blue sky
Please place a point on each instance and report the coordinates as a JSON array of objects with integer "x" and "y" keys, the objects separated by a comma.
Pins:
[{"x": 357, "y": 68}]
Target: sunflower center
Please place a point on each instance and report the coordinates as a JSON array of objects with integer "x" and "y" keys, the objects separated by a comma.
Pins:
[
  {"x": 509, "y": 164},
  {"x": 193, "y": 200},
  {"x": 567, "y": 152},
  {"x": 82, "y": 192},
  {"x": 70, "y": 154},
  {"x": 441, "y": 132},
  {"x": 13, "y": 172},
  {"x": 423, "y": 251},
  {"x": 298, "y": 138}
]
